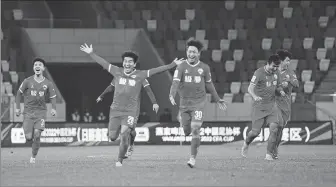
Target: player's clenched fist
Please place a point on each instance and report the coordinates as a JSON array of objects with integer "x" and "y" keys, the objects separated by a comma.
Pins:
[
  {"x": 222, "y": 104},
  {"x": 172, "y": 100},
  {"x": 53, "y": 112},
  {"x": 87, "y": 49},
  {"x": 257, "y": 98},
  {"x": 99, "y": 99},
  {"x": 17, "y": 112},
  {"x": 156, "y": 107}
]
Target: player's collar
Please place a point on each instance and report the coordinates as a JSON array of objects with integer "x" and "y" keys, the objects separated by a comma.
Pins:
[
  {"x": 38, "y": 80},
  {"x": 128, "y": 74},
  {"x": 267, "y": 70},
  {"x": 193, "y": 65}
]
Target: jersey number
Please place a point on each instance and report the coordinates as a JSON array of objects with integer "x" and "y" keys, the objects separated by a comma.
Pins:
[
  {"x": 130, "y": 120},
  {"x": 42, "y": 123},
  {"x": 198, "y": 115}
]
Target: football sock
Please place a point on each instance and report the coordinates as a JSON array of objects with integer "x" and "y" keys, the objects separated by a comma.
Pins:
[
  {"x": 195, "y": 144},
  {"x": 36, "y": 146},
  {"x": 123, "y": 147},
  {"x": 272, "y": 139}
]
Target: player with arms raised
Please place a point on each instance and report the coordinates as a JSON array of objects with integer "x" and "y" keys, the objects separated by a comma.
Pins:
[
  {"x": 288, "y": 81},
  {"x": 151, "y": 95},
  {"x": 36, "y": 90},
  {"x": 124, "y": 109},
  {"x": 191, "y": 79},
  {"x": 262, "y": 88}
]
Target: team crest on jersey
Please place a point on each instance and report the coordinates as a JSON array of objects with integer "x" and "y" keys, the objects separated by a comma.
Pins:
[
  {"x": 200, "y": 71},
  {"x": 275, "y": 76},
  {"x": 133, "y": 76},
  {"x": 44, "y": 87}
]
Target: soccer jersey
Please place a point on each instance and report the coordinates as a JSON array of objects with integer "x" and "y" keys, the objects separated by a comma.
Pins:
[
  {"x": 284, "y": 103},
  {"x": 192, "y": 83},
  {"x": 36, "y": 93}
]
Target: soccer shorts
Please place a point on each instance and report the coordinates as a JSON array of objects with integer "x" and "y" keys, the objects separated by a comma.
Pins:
[
  {"x": 262, "y": 118},
  {"x": 33, "y": 120},
  {"x": 191, "y": 114}
]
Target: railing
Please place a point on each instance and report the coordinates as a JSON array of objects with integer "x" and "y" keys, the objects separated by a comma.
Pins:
[{"x": 51, "y": 23}]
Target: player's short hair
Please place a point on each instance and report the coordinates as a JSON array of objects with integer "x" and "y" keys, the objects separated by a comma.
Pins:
[
  {"x": 275, "y": 59},
  {"x": 195, "y": 43},
  {"x": 39, "y": 60},
  {"x": 130, "y": 54},
  {"x": 283, "y": 54}
]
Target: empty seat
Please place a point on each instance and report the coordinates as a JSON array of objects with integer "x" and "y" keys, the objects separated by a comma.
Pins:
[
  {"x": 228, "y": 97},
  {"x": 205, "y": 44},
  {"x": 18, "y": 14},
  {"x": 306, "y": 75},
  {"x": 190, "y": 14},
  {"x": 330, "y": 11},
  {"x": 200, "y": 34},
  {"x": 244, "y": 87},
  {"x": 14, "y": 76},
  {"x": 242, "y": 34},
  {"x": 293, "y": 97},
  {"x": 146, "y": 15},
  {"x": 266, "y": 43},
  {"x": 287, "y": 12},
  {"x": 321, "y": 53},
  {"x": 283, "y": 4},
  {"x": 229, "y": 5},
  {"x": 151, "y": 25},
  {"x": 235, "y": 87},
  {"x": 4, "y": 65},
  {"x": 181, "y": 45},
  {"x": 8, "y": 89},
  {"x": 323, "y": 21},
  {"x": 293, "y": 64},
  {"x": 329, "y": 42},
  {"x": 238, "y": 54},
  {"x": 270, "y": 23},
  {"x": 309, "y": 87},
  {"x": 261, "y": 63},
  {"x": 230, "y": 65},
  {"x": 308, "y": 43},
  {"x": 324, "y": 64},
  {"x": 239, "y": 24},
  {"x": 305, "y": 4},
  {"x": 224, "y": 44},
  {"x": 232, "y": 34},
  {"x": 184, "y": 25},
  {"x": 247, "y": 98},
  {"x": 251, "y": 4},
  {"x": 216, "y": 55},
  {"x": 287, "y": 43},
  {"x": 1, "y": 35}
]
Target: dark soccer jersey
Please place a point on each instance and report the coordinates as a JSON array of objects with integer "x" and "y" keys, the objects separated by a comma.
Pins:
[
  {"x": 265, "y": 85},
  {"x": 284, "y": 103},
  {"x": 35, "y": 93},
  {"x": 127, "y": 91},
  {"x": 192, "y": 82}
]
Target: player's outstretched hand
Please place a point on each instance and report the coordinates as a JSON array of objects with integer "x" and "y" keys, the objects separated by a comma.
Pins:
[
  {"x": 87, "y": 49},
  {"x": 178, "y": 61},
  {"x": 172, "y": 100},
  {"x": 283, "y": 94},
  {"x": 284, "y": 84},
  {"x": 53, "y": 112},
  {"x": 222, "y": 104},
  {"x": 156, "y": 108},
  {"x": 99, "y": 99},
  {"x": 257, "y": 98},
  {"x": 17, "y": 112}
]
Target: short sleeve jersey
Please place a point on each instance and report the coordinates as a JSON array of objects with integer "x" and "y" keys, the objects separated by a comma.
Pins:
[
  {"x": 36, "y": 93},
  {"x": 284, "y": 103},
  {"x": 192, "y": 82}
]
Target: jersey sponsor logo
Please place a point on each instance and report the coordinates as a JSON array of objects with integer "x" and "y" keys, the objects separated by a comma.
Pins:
[
  {"x": 200, "y": 71},
  {"x": 187, "y": 78}
]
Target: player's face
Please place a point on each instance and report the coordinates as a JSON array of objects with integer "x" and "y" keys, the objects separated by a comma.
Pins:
[
  {"x": 128, "y": 64},
  {"x": 285, "y": 63},
  {"x": 272, "y": 67},
  {"x": 192, "y": 54},
  {"x": 38, "y": 68}
]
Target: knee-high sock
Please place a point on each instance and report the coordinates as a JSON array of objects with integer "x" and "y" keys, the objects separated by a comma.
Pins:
[
  {"x": 195, "y": 144},
  {"x": 36, "y": 146},
  {"x": 123, "y": 146},
  {"x": 272, "y": 139}
]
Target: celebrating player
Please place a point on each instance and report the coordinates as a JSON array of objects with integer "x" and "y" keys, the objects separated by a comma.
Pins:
[
  {"x": 288, "y": 80},
  {"x": 126, "y": 96},
  {"x": 35, "y": 90},
  {"x": 192, "y": 79},
  {"x": 262, "y": 88},
  {"x": 151, "y": 95}
]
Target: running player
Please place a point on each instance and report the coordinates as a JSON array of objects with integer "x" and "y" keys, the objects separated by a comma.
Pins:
[
  {"x": 262, "y": 88},
  {"x": 124, "y": 109},
  {"x": 36, "y": 90},
  {"x": 151, "y": 95},
  {"x": 191, "y": 79},
  {"x": 288, "y": 80}
]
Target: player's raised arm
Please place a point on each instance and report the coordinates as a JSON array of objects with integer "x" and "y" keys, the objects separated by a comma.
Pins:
[
  {"x": 254, "y": 81},
  {"x": 23, "y": 87},
  {"x": 176, "y": 81},
  {"x": 160, "y": 69},
  {"x": 52, "y": 93},
  {"x": 106, "y": 65},
  {"x": 108, "y": 89}
]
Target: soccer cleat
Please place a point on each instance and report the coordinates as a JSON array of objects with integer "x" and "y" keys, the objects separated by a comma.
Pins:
[
  {"x": 244, "y": 149},
  {"x": 32, "y": 160},
  {"x": 269, "y": 157},
  {"x": 118, "y": 164},
  {"x": 191, "y": 163},
  {"x": 129, "y": 152}
]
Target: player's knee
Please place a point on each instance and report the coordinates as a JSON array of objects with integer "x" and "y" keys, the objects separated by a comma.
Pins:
[
  {"x": 29, "y": 136},
  {"x": 113, "y": 136},
  {"x": 274, "y": 127},
  {"x": 187, "y": 129},
  {"x": 255, "y": 132},
  {"x": 37, "y": 133},
  {"x": 133, "y": 133}
]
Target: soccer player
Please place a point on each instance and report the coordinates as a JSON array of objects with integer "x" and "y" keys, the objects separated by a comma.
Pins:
[
  {"x": 35, "y": 89},
  {"x": 262, "y": 88},
  {"x": 151, "y": 95},
  {"x": 288, "y": 80},
  {"x": 126, "y": 95},
  {"x": 191, "y": 79}
]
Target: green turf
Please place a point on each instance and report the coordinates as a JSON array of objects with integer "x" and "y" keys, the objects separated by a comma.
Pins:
[{"x": 166, "y": 166}]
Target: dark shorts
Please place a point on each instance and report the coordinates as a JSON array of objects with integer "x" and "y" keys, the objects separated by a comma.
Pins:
[
  {"x": 262, "y": 118},
  {"x": 190, "y": 114},
  {"x": 33, "y": 120}
]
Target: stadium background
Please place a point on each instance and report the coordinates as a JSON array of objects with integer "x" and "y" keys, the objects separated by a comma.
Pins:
[{"x": 238, "y": 35}]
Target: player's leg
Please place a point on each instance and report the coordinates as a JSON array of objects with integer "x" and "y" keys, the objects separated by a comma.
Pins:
[
  {"x": 127, "y": 123},
  {"x": 196, "y": 123},
  {"x": 283, "y": 120},
  {"x": 130, "y": 148},
  {"x": 28, "y": 127},
  {"x": 185, "y": 121},
  {"x": 114, "y": 128},
  {"x": 39, "y": 126},
  {"x": 274, "y": 127},
  {"x": 257, "y": 124}
]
